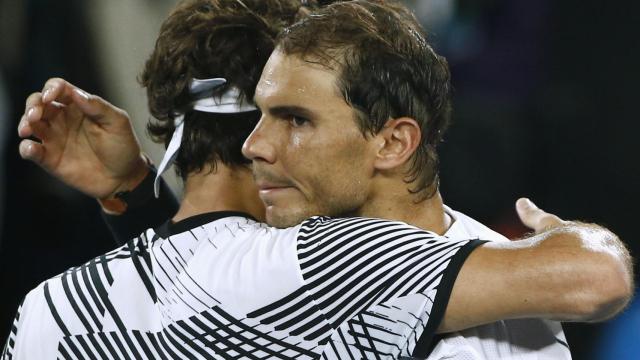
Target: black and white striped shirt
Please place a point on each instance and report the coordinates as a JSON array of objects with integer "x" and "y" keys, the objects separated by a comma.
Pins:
[{"x": 222, "y": 286}]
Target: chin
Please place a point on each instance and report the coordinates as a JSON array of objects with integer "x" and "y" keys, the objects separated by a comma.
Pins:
[{"x": 285, "y": 219}]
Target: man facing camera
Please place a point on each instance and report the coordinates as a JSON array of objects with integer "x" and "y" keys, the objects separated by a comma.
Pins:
[{"x": 353, "y": 103}]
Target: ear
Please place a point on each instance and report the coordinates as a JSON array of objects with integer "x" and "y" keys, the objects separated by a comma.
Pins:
[{"x": 397, "y": 142}]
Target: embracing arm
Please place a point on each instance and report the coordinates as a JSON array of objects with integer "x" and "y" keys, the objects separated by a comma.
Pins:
[
  {"x": 89, "y": 144},
  {"x": 572, "y": 272}
]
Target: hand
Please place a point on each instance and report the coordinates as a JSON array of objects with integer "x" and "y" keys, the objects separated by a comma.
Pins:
[
  {"x": 85, "y": 141},
  {"x": 535, "y": 218}
]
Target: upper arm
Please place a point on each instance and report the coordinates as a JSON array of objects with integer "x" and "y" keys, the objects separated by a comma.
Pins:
[
  {"x": 9, "y": 347},
  {"x": 491, "y": 285},
  {"x": 557, "y": 275},
  {"x": 34, "y": 334}
]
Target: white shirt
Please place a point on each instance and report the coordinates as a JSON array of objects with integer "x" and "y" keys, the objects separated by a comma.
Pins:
[
  {"x": 524, "y": 339},
  {"x": 221, "y": 285}
]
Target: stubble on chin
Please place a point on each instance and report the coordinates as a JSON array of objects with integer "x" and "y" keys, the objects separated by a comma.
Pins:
[{"x": 285, "y": 219}]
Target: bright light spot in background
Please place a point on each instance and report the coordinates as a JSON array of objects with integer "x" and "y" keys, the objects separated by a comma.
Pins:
[{"x": 435, "y": 14}]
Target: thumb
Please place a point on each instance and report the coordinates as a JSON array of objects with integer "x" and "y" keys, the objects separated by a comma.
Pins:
[
  {"x": 96, "y": 108},
  {"x": 535, "y": 218},
  {"x": 60, "y": 91},
  {"x": 91, "y": 105}
]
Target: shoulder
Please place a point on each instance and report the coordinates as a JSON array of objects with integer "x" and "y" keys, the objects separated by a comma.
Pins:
[
  {"x": 325, "y": 242},
  {"x": 466, "y": 226},
  {"x": 74, "y": 300},
  {"x": 322, "y": 231},
  {"x": 318, "y": 225}
]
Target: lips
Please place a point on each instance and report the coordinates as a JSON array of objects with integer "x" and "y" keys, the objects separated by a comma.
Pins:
[
  {"x": 269, "y": 192},
  {"x": 266, "y": 188},
  {"x": 270, "y": 186},
  {"x": 266, "y": 181},
  {"x": 263, "y": 185}
]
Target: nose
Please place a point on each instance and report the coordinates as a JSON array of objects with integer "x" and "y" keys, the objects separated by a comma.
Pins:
[{"x": 258, "y": 146}]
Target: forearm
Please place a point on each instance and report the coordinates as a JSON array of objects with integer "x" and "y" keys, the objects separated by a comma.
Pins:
[{"x": 576, "y": 272}]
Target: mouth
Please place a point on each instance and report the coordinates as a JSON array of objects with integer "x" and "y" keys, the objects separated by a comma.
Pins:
[
  {"x": 270, "y": 186},
  {"x": 266, "y": 188},
  {"x": 271, "y": 192}
]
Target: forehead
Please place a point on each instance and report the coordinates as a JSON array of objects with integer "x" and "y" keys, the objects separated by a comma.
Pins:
[{"x": 287, "y": 79}]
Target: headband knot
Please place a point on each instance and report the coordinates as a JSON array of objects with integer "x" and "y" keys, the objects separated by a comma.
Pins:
[{"x": 228, "y": 102}]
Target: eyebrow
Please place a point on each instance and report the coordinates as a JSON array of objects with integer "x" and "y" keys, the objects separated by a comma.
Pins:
[{"x": 289, "y": 109}]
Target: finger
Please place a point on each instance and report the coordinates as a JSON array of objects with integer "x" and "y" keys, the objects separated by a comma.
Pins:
[
  {"x": 33, "y": 100},
  {"x": 31, "y": 150},
  {"x": 63, "y": 92},
  {"x": 39, "y": 129},
  {"x": 529, "y": 213},
  {"x": 56, "y": 89},
  {"x": 24, "y": 128},
  {"x": 34, "y": 113},
  {"x": 40, "y": 115},
  {"x": 35, "y": 108},
  {"x": 534, "y": 217},
  {"x": 549, "y": 221},
  {"x": 48, "y": 112},
  {"x": 91, "y": 105},
  {"x": 60, "y": 90}
]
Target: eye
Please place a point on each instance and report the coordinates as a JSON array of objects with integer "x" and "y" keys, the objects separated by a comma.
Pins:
[{"x": 298, "y": 121}]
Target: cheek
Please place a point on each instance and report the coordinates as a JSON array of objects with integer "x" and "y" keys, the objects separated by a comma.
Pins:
[
  {"x": 327, "y": 166},
  {"x": 296, "y": 141},
  {"x": 344, "y": 174}
]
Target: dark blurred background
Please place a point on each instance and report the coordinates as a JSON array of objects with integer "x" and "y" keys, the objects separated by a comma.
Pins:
[{"x": 546, "y": 107}]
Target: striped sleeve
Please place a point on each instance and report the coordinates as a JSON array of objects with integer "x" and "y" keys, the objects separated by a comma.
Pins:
[
  {"x": 78, "y": 301},
  {"x": 34, "y": 333},
  {"x": 7, "y": 353},
  {"x": 382, "y": 285}
]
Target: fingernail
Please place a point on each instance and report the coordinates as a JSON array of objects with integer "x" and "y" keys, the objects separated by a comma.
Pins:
[
  {"x": 523, "y": 203},
  {"x": 30, "y": 112},
  {"x": 82, "y": 93},
  {"x": 45, "y": 94}
]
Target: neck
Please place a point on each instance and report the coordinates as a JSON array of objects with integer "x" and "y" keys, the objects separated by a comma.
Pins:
[
  {"x": 225, "y": 189},
  {"x": 402, "y": 206}
]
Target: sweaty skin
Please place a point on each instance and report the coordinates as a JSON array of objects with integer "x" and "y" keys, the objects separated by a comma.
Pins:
[
  {"x": 590, "y": 285},
  {"x": 302, "y": 176},
  {"x": 310, "y": 158}
]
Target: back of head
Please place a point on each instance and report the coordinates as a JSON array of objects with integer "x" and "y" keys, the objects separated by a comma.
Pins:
[
  {"x": 203, "y": 39},
  {"x": 385, "y": 70}
]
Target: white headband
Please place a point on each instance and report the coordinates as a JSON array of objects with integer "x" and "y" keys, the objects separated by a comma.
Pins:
[{"x": 227, "y": 103}]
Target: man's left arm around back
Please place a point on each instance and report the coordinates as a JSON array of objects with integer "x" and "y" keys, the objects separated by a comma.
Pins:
[{"x": 568, "y": 271}]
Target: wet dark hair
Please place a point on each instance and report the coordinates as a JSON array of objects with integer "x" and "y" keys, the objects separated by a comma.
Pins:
[
  {"x": 202, "y": 39},
  {"x": 385, "y": 70}
]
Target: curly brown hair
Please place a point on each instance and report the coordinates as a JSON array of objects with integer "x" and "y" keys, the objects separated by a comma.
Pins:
[
  {"x": 385, "y": 68},
  {"x": 231, "y": 39}
]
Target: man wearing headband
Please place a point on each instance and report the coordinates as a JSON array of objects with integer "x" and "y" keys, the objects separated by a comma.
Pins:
[{"x": 288, "y": 319}]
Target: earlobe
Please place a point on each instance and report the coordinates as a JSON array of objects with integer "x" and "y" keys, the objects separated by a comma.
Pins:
[{"x": 397, "y": 142}]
